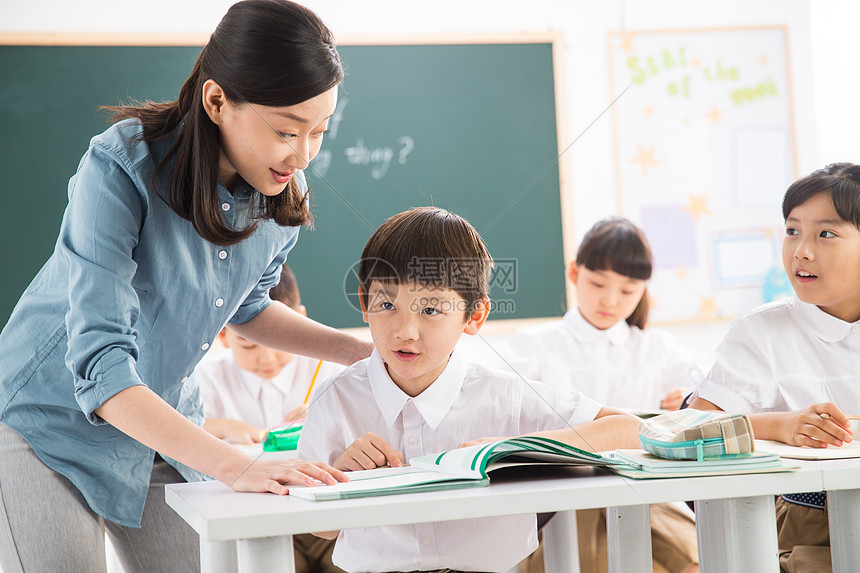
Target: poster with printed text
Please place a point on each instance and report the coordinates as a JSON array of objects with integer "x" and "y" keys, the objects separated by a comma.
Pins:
[{"x": 704, "y": 151}]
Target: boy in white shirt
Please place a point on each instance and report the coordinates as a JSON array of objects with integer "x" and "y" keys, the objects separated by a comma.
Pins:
[
  {"x": 423, "y": 282},
  {"x": 250, "y": 387},
  {"x": 792, "y": 364}
]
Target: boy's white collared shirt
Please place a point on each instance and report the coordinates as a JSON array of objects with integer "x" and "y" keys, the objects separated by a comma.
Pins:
[
  {"x": 784, "y": 356},
  {"x": 622, "y": 366},
  {"x": 231, "y": 392},
  {"x": 432, "y": 404},
  {"x": 466, "y": 402}
]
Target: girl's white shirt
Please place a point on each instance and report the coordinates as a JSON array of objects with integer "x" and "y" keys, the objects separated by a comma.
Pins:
[
  {"x": 231, "y": 392},
  {"x": 785, "y": 356},
  {"x": 622, "y": 366}
]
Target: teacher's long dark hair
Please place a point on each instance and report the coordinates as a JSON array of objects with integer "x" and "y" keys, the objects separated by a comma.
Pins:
[{"x": 267, "y": 52}]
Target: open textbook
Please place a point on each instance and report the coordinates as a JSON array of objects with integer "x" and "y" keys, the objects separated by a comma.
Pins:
[
  {"x": 458, "y": 468},
  {"x": 471, "y": 467}
]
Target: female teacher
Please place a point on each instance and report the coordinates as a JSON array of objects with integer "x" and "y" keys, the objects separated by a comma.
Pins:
[{"x": 179, "y": 218}]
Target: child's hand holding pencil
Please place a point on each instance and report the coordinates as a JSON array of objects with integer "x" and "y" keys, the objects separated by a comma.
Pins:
[{"x": 292, "y": 428}]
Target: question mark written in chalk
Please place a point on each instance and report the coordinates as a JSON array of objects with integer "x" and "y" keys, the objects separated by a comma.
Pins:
[{"x": 408, "y": 144}]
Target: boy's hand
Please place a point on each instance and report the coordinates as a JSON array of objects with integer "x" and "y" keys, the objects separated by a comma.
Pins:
[
  {"x": 272, "y": 475},
  {"x": 673, "y": 399},
  {"x": 296, "y": 414},
  {"x": 817, "y": 426},
  {"x": 368, "y": 452}
]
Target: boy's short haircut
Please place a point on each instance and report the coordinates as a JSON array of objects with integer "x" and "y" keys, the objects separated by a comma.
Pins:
[
  {"x": 287, "y": 289},
  {"x": 841, "y": 180},
  {"x": 431, "y": 247}
]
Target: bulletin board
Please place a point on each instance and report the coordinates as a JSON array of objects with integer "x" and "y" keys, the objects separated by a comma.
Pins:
[{"x": 704, "y": 150}]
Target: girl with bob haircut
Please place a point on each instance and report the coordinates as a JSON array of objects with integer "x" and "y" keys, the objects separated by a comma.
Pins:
[
  {"x": 179, "y": 219},
  {"x": 603, "y": 349},
  {"x": 615, "y": 244}
]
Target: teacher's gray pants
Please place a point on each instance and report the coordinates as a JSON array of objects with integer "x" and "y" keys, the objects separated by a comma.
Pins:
[{"x": 47, "y": 527}]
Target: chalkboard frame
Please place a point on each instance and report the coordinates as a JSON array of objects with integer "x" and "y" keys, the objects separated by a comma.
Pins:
[{"x": 493, "y": 326}]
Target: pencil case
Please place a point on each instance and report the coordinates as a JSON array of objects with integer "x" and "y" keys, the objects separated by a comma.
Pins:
[
  {"x": 697, "y": 435},
  {"x": 282, "y": 438}
]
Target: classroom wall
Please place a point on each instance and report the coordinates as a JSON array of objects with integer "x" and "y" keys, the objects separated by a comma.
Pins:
[{"x": 820, "y": 33}]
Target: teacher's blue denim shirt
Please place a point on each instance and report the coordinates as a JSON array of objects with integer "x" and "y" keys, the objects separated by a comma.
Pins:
[{"x": 131, "y": 295}]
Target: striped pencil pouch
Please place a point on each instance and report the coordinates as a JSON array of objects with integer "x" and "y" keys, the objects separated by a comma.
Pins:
[{"x": 697, "y": 435}]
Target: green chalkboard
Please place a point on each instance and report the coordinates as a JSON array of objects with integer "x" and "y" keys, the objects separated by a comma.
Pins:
[{"x": 467, "y": 127}]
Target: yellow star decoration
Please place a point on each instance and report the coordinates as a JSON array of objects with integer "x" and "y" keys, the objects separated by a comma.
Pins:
[
  {"x": 645, "y": 158},
  {"x": 697, "y": 206},
  {"x": 715, "y": 115},
  {"x": 626, "y": 41},
  {"x": 708, "y": 308}
]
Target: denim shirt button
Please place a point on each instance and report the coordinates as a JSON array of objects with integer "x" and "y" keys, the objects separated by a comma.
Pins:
[
  {"x": 205, "y": 346},
  {"x": 219, "y": 302},
  {"x": 222, "y": 255},
  {"x": 225, "y": 206}
]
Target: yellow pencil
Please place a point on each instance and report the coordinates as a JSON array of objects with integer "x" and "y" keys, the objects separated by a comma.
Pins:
[{"x": 314, "y": 379}]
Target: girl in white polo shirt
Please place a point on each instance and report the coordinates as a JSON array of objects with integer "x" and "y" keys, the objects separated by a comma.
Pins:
[
  {"x": 792, "y": 364},
  {"x": 602, "y": 349}
]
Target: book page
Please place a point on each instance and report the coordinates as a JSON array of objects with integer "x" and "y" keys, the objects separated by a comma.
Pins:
[
  {"x": 476, "y": 461},
  {"x": 851, "y": 450},
  {"x": 385, "y": 482}
]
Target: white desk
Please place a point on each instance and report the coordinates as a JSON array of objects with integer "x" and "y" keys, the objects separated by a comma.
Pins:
[
  {"x": 841, "y": 478},
  {"x": 736, "y": 523}
]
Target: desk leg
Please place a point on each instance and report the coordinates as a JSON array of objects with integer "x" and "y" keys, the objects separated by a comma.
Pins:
[
  {"x": 218, "y": 557},
  {"x": 561, "y": 544},
  {"x": 737, "y": 534},
  {"x": 843, "y": 514},
  {"x": 266, "y": 554},
  {"x": 628, "y": 538}
]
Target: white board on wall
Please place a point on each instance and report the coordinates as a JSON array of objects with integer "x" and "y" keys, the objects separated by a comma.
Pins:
[{"x": 704, "y": 149}]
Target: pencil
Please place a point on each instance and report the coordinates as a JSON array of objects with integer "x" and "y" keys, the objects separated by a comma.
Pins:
[{"x": 314, "y": 379}]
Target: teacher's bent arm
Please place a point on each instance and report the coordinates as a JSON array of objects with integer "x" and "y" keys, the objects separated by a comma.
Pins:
[
  {"x": 278, "y": 326},
  {"x": 140, "y": 413}
]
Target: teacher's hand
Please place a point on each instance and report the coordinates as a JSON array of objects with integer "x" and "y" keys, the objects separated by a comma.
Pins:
[{"x": 274, "y": 476}]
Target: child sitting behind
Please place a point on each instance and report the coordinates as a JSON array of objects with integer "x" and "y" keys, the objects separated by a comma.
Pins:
[
  {"x": 250, "y": 387},
  {"x": 792, "y": 364},
  {"x": 602, "y": 349},
  {"x": 423, "y": 280}
]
